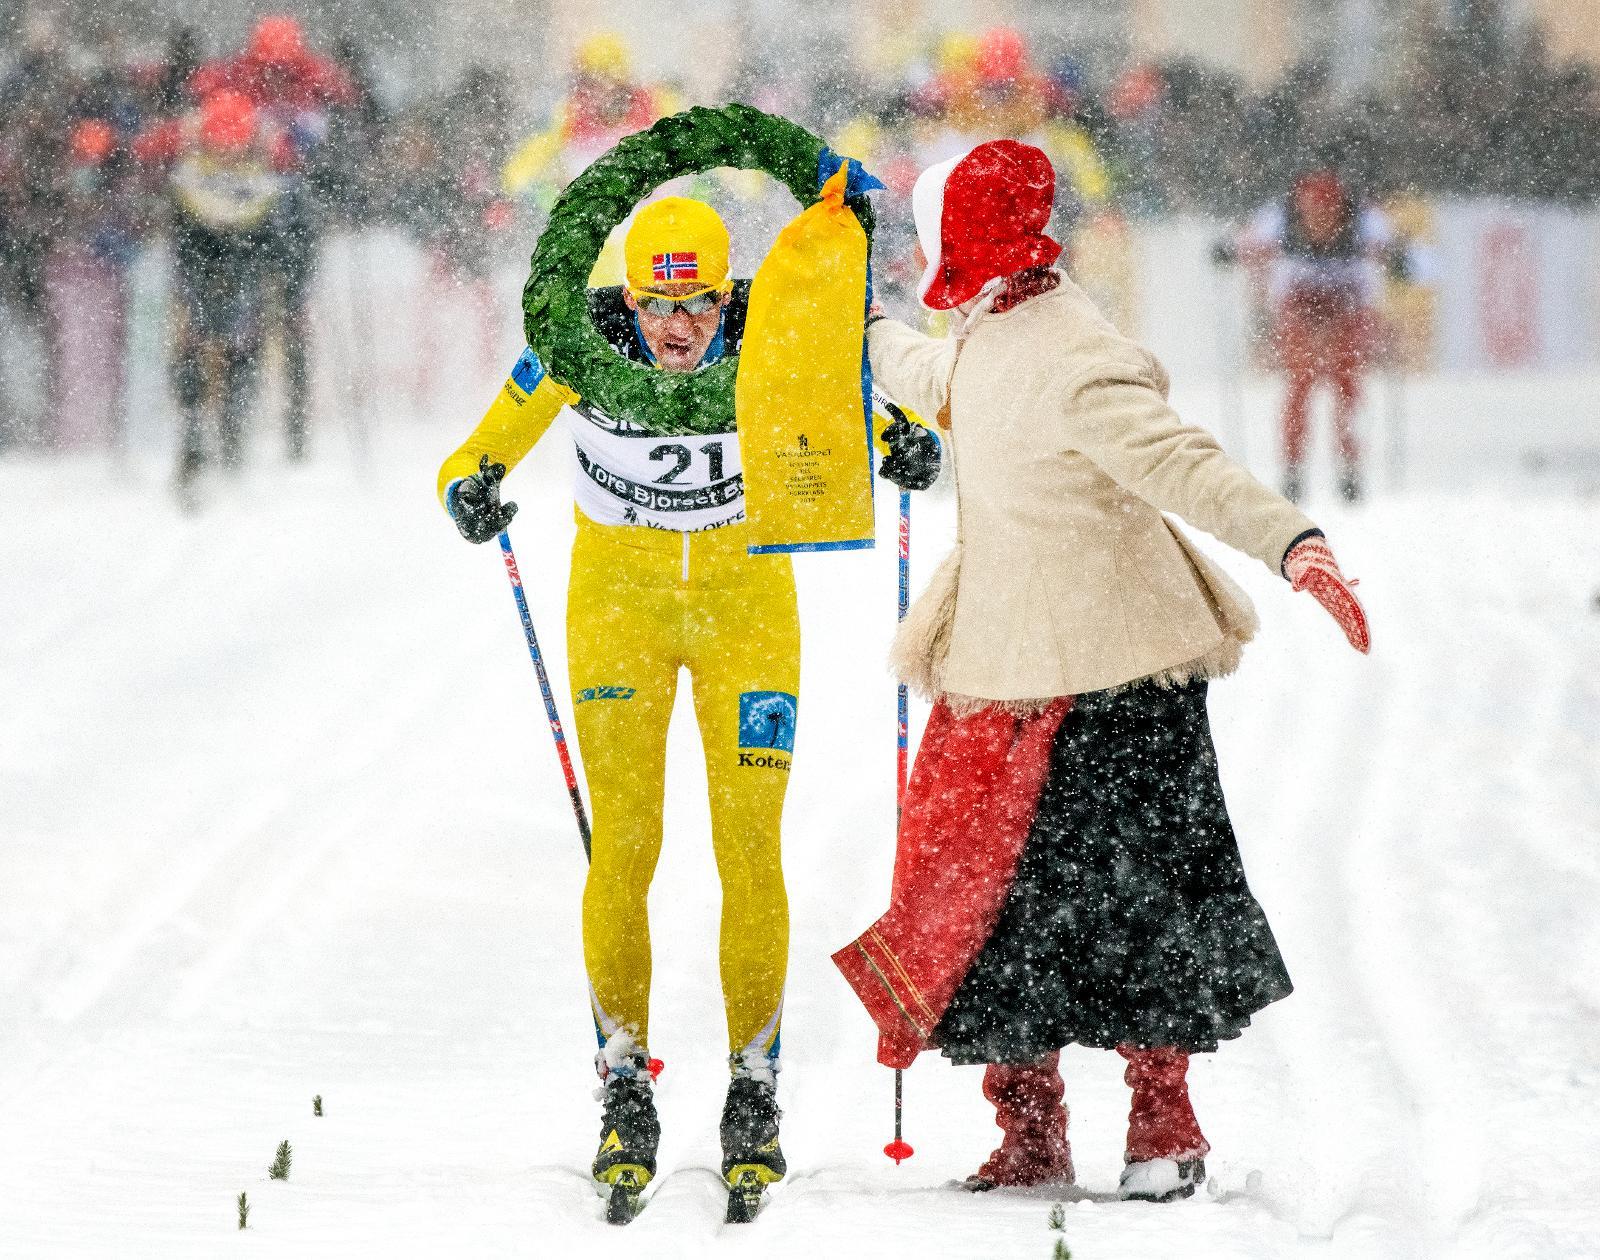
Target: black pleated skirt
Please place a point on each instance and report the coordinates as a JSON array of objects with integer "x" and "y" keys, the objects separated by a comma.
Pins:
[{"x": 1130, "y": 920}]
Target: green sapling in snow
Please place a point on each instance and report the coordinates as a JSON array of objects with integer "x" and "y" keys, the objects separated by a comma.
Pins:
[{"x": 1058, "y": 1224}]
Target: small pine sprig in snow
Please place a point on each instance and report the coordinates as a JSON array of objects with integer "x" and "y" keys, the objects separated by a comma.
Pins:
[
  {"x": 279, "y": 1171},
  {"x": 316, "y": 1105},
  {"x": 244, "y": 1209},
  {"x": 1058, "y": 1225}
]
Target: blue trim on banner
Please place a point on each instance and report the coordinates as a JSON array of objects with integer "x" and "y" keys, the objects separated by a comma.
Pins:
[
  {"x": 866, "y": 394},
  {"x": 769, "y": 549}
]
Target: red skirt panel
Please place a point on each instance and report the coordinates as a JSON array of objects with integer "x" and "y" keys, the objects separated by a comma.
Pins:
[{"x": 968, "y": 810}]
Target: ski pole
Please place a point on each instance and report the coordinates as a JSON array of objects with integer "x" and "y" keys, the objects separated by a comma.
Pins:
[
  {"x": 900, "y": 1149},
  {"x": 358, "y": 279},
  {"x": 1233, "y": 348},
  {"x": 902, "y": 754},
  {"x": 1395, "y": 400},
  {"x": 544, "y": 689}
]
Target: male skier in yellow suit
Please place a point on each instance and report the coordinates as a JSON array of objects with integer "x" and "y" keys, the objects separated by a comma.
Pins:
[{"x": 661, "y": 581}]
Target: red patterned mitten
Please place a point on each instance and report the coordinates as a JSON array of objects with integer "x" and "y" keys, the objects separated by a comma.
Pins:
[{"x": 1310, "y": 566}]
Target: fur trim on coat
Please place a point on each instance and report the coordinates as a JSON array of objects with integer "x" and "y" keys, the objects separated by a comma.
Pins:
[{"x": 922, "y": 644}]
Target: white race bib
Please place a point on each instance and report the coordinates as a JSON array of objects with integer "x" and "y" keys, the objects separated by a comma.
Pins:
[{"x": 628, "y": 476}]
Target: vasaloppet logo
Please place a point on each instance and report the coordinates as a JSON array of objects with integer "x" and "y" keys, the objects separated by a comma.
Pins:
[
  {"x": 766, "y": 720},
  {"x": 606, "y": 693}
]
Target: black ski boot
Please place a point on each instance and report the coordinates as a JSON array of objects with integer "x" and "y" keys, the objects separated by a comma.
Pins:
[
  {"x": 629, "y": 1135},
  {"x": 751, "y": 1157}
]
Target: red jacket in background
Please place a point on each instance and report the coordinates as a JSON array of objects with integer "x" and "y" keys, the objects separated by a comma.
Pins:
[{"x": 302, "y": 82}]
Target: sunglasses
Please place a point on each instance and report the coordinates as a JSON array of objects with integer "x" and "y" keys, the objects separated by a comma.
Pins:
[{"x": 699, "y": 304}]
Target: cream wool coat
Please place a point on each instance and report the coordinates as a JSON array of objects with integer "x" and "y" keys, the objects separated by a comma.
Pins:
[{"x": 1066, "y": 577}]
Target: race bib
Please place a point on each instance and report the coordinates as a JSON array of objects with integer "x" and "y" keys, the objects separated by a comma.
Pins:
[
  {"x": 627, "y": 476},
  {"x": 226, "y": 197}
]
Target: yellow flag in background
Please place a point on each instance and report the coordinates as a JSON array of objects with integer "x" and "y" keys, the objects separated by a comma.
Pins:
[{"x": 798, "y": 398}]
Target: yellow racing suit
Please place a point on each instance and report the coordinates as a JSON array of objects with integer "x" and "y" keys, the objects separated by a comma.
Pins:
[{"x": 646, "y": 600}]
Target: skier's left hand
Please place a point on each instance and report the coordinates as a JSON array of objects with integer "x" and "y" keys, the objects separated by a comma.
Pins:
[
  {"x": 913, "y": 459},
  {"x": 1310, "y": 566}
]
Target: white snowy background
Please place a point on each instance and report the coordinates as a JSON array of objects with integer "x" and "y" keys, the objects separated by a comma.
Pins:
[{"x": 280, "y": 817}]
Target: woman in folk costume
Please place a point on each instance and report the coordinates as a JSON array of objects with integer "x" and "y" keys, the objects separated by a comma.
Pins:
[{"x": 1066, "y": 870}]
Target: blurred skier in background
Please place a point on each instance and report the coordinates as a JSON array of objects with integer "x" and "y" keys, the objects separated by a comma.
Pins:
[
  {"x": 661, "y": 581},
  {"x": 226, "y": 169},
  {"x": 1066, "y": 871},
  {"x": 1322, "y": 246},
  {"x": 295, "y": 90}
]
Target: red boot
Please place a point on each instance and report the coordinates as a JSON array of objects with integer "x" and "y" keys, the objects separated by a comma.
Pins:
[
  {"x": 1027, "y": 1104},
  {"x": 1166, "y": 1151}
]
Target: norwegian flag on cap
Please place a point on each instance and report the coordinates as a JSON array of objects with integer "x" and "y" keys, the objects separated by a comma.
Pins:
[{"x": 666, "y": 268}]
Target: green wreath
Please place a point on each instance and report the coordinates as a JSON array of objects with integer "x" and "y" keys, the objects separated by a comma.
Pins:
[{"x": 554, "y": 301}]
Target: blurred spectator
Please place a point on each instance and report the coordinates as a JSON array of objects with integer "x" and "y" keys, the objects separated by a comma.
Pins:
[
  {"x": 1477, "y": 111},
  {"x": 86, "y": 279},
  {"x": 348, "y": 173},
  {"x": 34, "y": 100},
  {"x": 606, "y": 101},
  {"x": 445, "y": 172}
]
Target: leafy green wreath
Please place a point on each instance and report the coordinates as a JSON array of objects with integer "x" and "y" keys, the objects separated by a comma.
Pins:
[{"x": 554, "y": 300}]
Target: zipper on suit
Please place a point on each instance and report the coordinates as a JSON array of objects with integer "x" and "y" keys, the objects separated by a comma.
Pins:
[{"x": 685, "y": 555}]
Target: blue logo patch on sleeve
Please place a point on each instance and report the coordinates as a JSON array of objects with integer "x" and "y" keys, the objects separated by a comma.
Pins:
[
  {"x": 766, "y": 720},
  {"x": 528, "y": 372}
]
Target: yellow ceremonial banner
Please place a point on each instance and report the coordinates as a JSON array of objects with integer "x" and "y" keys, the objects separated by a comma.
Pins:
[{"x": 799, "y": 400}]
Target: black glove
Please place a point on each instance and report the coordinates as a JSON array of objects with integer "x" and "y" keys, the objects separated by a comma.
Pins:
[
  {"x": 1224, "y": 254},
  {"x": 913, "y": 459},
  {"x": 475, "y": 506}
]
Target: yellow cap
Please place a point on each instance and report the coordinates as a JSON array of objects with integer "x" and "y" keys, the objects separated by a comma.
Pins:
[
  {"x": 674, "y": 241},
  {"x": 604, "y": 54}
]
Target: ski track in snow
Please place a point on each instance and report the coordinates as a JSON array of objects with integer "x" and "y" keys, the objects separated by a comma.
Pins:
[{"x": 281, "y": 818}]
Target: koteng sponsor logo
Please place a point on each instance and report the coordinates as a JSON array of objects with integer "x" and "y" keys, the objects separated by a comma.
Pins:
[{"x": 767, "y": 721}]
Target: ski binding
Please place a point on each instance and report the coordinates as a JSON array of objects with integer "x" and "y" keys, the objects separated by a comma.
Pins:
[
  {"x": 626, "y": 1196},
  {"x": 746, "y": 1185}
]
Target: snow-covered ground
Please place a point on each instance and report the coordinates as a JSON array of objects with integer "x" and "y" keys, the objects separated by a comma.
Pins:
[{"x": 279, "y": 817}]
